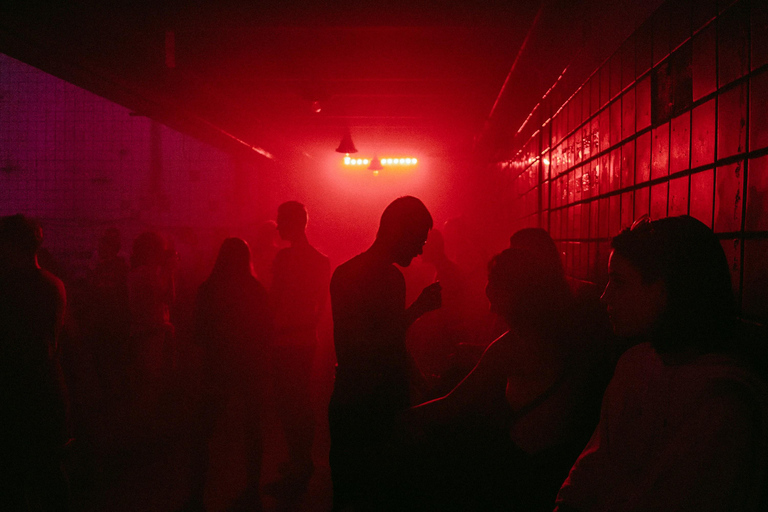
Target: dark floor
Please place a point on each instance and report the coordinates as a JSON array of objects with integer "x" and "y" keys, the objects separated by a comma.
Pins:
[{"x": 126, "y": 459}]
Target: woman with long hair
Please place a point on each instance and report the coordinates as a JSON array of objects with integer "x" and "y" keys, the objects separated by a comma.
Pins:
[
  {"x": 683, "y": 421},
  {"x": 233, "y": 328},
  {"x": 506, "y": 436}
]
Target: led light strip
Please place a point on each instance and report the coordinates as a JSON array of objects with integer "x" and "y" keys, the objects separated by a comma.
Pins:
[
  {"x": 384, "y": 161},
  {"x": 356, "y": 161}
]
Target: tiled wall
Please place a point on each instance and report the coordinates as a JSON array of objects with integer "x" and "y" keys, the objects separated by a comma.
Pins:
[
  {"x": 81, "y": 163},
  {"x": 675, "y": 122}
]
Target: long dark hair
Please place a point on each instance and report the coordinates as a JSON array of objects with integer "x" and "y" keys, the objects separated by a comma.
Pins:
[
  {"x": 233, "y": 261},
  {"x": 538, "y": 241},
  {"x": 536, "y": 287},
  {"x": 687, "y": 256}
]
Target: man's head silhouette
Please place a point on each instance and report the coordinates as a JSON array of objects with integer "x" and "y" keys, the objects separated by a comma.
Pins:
[
  {"x": 291, "y": 220},
  {"x": 403, "y": 229},
  {"x": 20, "y": 239}
]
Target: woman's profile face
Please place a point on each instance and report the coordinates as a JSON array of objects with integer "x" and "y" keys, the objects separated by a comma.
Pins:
[{"x": 634, "y": 306}]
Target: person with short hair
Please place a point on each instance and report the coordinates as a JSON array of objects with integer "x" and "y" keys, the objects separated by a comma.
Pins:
[
  {"x": 300, "y": 277},
  {"x": 373, "y": 373},
  {"x": 32, "y": 389}
]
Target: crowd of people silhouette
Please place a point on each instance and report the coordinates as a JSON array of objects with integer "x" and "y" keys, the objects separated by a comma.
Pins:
[{"x": 637, "y": 399}]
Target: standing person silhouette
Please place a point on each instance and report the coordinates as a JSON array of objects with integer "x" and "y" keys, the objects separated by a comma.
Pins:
[
  {"x": 107, "y": 317},
  {"x": 32, "y": 391},
  {"x": 300, "y": 276},
  {"x": 151, "y": 292},
  {"x": 373, "y": 371},
  {"x": 233, "y": 327}
]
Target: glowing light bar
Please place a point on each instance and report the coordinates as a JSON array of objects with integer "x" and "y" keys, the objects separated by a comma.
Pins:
[{"x": 400, "y": 162}]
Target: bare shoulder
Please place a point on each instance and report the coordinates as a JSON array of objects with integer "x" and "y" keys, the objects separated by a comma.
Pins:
[
  {"x": 362, "y": 270},
  {"x": 54, "y": 285}
]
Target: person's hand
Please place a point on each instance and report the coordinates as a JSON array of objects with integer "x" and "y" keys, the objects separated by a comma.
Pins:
[{"x": 431, "y": 298}]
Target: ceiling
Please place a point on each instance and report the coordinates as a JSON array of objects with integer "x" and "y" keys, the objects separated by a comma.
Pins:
[{"x": 286, "y": 78}]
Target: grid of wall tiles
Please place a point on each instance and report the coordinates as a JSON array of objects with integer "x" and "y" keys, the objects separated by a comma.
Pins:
[
  {"x": 80, "y": 163},
  {"x": 674, "y": 122}
]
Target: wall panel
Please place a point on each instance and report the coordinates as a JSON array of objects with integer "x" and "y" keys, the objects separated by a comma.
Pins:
[
  {"x": 80, "y": 163},
  {"x": 677, "y": 124}
]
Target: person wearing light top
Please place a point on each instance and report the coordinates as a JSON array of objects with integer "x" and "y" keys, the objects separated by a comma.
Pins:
[{"x": 684, "y": 422}]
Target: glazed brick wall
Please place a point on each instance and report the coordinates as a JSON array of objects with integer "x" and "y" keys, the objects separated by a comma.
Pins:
[{"x": 613, "y": 151}]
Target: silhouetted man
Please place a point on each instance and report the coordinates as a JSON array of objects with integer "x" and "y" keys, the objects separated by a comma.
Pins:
[
  {"x": 32, "y": 304},
  {"x": 300, "y": 276},
  {"x": 373, "y": 371}
]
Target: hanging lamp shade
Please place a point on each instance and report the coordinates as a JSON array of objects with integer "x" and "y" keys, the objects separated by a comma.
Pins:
[
  {"x": 346, "y": 145},
  {"x": 375, "y": 164}
]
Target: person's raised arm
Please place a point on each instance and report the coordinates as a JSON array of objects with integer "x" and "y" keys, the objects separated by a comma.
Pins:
[
  {"x": 430, "y": 299},
  {"x": 478, "y": 396}
]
